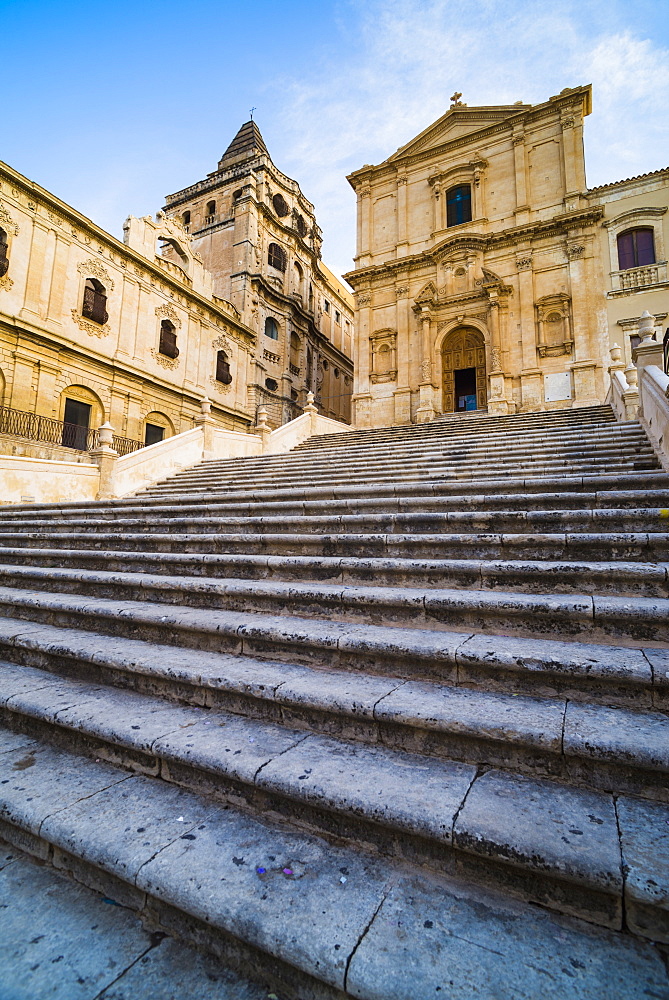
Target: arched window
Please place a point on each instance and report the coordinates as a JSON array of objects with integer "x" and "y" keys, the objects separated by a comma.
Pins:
[
  {"x": 95, "y": 301},
  {"x": 459, "y": 205},
  {"x": 276, "y": 257},
  {"x": 211, "y": 208},
  {"x": 271, "y": 328},
  {"x": 295, "y": 351},
  {"x": 299, "y": 276},
  {"x": 186, "y": 219},
  {"x": 280, "y": 205},
  {"x": 636, "y": 248},
  {"x": 4, "y": 253},
  {"x": 223, "y": 368},
  {"x": 168, "y": 339},
  {"x": 271, "y": 384}
]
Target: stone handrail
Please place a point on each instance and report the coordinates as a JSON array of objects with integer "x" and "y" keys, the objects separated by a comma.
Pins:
[
  {"x": 121, "y": 476},
  {"x": 623, "y": 393},
  {"x": 653, "y": 411}
]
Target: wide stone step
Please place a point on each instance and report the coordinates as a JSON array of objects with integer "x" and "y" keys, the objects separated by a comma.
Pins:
[
  {"x": 253, "y": 886},
  {"x": 634, "y": 483},
  {"x": 632, "y": 546},
  {"x": 542, "y": 840},
  {"x": 47, "y": 629},
  {"x": 523, "y": 576},
  {"x": 591, "y": 521}
]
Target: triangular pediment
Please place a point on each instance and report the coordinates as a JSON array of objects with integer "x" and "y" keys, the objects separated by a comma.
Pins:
[{"x": 456, "y": 124}]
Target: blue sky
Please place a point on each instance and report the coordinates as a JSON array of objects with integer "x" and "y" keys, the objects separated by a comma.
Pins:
[{"x": 114, "y": 105}]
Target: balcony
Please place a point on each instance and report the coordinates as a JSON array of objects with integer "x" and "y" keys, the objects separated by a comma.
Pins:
[{"x": 637, "y": 279}]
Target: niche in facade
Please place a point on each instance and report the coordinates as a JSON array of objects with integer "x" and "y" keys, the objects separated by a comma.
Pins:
[
  {"x": 383, "y": 347},
  {"x": 554, "y": 326}
]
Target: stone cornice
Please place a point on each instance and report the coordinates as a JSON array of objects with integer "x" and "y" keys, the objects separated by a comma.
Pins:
[
  {"x": 58, "y": 212},
  {"x": 477, "y": 138},
  {"x": 557, "y": 226}
]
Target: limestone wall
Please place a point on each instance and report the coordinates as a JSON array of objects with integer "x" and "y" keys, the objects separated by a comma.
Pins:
[{"x": 29, "y": 480}]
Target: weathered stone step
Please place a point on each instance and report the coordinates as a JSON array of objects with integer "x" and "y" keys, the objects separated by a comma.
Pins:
[
  {"x": 304, "y": 672},
  {"x": 577, "y": 448},
  {"x": 255, "y": 886},
  {"x": 597, "y": 617},
  {"x": 449, "y": 471},
  {"x": 592, "y": 521},
  {"x": 522, "y": 576},
  {"x": 99, "y": 949},
  {"x": 598, "y": 484},
  {"x": 542, "y": 840},
  {"x": 636, "y": 546}
]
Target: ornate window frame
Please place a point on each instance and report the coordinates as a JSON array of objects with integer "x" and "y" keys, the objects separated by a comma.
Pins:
[
  {"x": 12, "y": 230},
  {"x": 472, "y": 174},
  {"x": 383, "y": 342},
  {"x": 641, "y": 217},
  {"x": 545, "y": 307}
]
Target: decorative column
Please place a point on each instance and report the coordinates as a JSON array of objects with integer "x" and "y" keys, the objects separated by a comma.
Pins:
[
  {"x": 520, "y": 173},
  {"x": 361, "y": 401},
  {"x": 584, "y": 367},
  {"x": 530, "y": 376},
  {"x": 497, "y": 403},
  {"x": 426, "y": 410},
  {"x": 402, "y": 393},
  {"x": 402, "y": 215}
]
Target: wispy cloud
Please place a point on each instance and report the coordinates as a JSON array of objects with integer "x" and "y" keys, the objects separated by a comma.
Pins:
[{"x": 406, "y": 57}]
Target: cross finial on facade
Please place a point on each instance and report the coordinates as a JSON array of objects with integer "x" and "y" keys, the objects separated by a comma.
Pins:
[
  {"x": 251, "y": 112},
  {"x": 455, "y": 98}
]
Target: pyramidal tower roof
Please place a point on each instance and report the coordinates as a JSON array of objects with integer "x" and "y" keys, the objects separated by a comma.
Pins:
[{"x": 246, "y": 144}]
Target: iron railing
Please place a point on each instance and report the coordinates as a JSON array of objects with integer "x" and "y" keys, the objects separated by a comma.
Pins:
[
  {"x": 281, "y": 409},
  {"x": 34, "y": 427}
]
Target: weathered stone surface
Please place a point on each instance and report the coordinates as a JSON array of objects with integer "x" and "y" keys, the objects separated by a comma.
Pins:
[
  {"x": 644, "y": 839},
  {"x": 541, "y": 826},
  {"x": 61, "y": 941},
  {"x": 463, "y": 942},
  {"x": 613, "y": 734},
  {"x": 410, "y": 793}
]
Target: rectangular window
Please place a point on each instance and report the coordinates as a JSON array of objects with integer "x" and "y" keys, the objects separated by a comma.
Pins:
[
  {"x": 337, "y": 317},
  {"x": 326, "y": 305},
  {"x": 459, "y": 205}
]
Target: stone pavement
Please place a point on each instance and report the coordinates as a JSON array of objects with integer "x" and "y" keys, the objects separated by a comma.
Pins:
[
  {"x": 384, "y": 717},
  {"x": 62, "y": 941}
]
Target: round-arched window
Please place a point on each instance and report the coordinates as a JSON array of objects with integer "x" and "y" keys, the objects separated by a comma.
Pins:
[
  {"x": 281, "y": 206},
  {"x": 271, "y": 384},
  {"x": 271, "y": 328}
]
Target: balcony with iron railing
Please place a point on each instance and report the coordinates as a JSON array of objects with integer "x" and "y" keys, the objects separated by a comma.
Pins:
[
  {"x": 33, "y": 427},
  {"x": 636, "y": 279}
]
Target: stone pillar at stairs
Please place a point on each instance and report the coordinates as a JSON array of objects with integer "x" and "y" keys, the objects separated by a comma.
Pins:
[
  {"x": 105, "y": 458},
  {"x": 208, "y": 425},
  {"x": 426, "y": 410}
]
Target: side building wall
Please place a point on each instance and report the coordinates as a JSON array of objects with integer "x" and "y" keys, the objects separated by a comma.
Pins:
[{"x": 51, "y": 352}]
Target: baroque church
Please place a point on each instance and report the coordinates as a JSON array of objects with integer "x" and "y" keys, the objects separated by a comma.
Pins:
[
  {"x": 489, "y": 277},
  {"x": 222, "y": 296}
]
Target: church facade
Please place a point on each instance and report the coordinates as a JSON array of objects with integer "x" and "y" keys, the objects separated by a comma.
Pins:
[
  {"x": 483, "y": 267},
  {"x": 258, "y": 237}
]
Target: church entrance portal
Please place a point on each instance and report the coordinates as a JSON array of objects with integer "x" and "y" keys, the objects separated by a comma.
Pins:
[{"x": 463, "y": 367}]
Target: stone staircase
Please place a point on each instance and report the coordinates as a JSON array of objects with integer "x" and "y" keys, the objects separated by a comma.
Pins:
[{"x": 384, "y": 717}]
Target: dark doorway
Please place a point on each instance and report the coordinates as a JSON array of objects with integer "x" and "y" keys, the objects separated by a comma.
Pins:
[
  {"x": 76, "y": 422},
  {"x": 465, "y": 389},
  {"x": 153, "y": 434}
]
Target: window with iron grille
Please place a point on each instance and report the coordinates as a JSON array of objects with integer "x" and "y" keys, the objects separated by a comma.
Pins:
[
  {"x": 211, "y": 208},
  {"x": 4, "y": 253},
  {"x": 636, "y": 248},
  {"x": 95, "y": 301},
  {"x": 223, "y": 368},
  {"x": 276, "y": 257},
  {"x": 168, "y": 340},
  {"x": 459, "y": 205}
]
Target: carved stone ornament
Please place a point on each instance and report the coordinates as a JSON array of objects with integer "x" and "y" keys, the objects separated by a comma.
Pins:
[
  {"x": 220, "y": 386},
  {"x": 89, "y": 326},
  {"x": 221, "y": 344},
  {"x": 575, "y": 250},
  {"x": 401, "y": 291},
  {"x": 523, "y": 263},
  {"x": 496, "y": 359},
  {"x": 402, "y": 179},
  {"x": 167, "y": 311},
  {"x": 6, "y": 282},
  {"x": 426, "y": 371},
  {"x": 517, "y": 138},
  {"x": 364, "y": 299},
  {"x": 7, "y": 222},
  {"x": 567, "y": 121},
  {"x": 93, "y": 269},
  {"x": 164, "y": 361}
]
